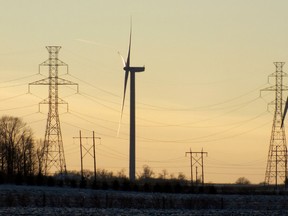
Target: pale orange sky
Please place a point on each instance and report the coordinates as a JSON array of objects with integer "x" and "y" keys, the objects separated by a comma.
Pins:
[{"x": 206, "y": 62}]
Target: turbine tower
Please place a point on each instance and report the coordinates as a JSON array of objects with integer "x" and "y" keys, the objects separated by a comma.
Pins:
[
  {"x": 53, "y": 150},
  {"x": 131, "y": 70},
  {"x": 276, "y": 169}
]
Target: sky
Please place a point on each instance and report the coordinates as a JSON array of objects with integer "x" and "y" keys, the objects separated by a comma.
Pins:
[{"x": 206, "y": 62}]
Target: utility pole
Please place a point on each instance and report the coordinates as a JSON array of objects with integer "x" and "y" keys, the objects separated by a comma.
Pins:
[
  {"x": 53, "y": 150},
  {"x": 81, "y": 155},
  {"x": 196, "y": 159},
  {"x": 276, "y": 168},
  {"x": 87, "y": 151},
  {"x": 191, "y": 165}
]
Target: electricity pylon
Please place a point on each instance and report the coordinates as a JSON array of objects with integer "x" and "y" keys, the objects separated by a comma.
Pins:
[
  {"x": 276, "y": 169},
  {"x": 53, "y": 150}
]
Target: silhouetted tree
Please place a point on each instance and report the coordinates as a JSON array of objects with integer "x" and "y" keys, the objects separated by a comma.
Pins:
[
  {"x": 16, "y": 146},
  {"x": 181, "y": 176},
  {"x": 147, "y": 173},
  {"x": 121, "y": 174},
  {"x": 39, "y": 156},
  {"x": 243, "y": 181},
  {"x": 163, "y": 174},
  {"x": 104, "y": 175}
]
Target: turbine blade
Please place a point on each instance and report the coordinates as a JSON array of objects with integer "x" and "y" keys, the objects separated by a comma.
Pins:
[
  {"x": 125, "y": 87},
  {"x": 123, "y": 61},
  {"x": 127, "y": 70},
  {"x": 285, "y": 112},
  {"x": 123, "y": 101},
  {"x": 129, "y": 49}
]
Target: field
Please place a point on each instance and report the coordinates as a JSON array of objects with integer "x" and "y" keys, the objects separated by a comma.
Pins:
[
  {"x": 28, "y": 200},
  {"x": 134, "y": 212}
]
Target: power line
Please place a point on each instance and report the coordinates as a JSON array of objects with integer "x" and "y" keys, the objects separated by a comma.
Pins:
[
  {"x": 90, "y": 116},
  {"x": 188, "y": 125},
  {"x": 91, "y": 122},
  {"x": 210, "y": 107},
  {"x": 89, "y": 84},
  {"x": 20, "y": 78},
  {"x": 13, "y": 97},
  {"x": 186, "y": 140},
  {"x": 194, "y": 140},
  {"x": 260, "y": 161},
  {"x": 203, "y": 120},
  {"x": 15, "y": 108}
]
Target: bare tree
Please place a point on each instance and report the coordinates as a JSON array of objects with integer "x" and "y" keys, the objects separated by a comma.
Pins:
[
  {"x": 16, "y": 146},
  {"x": 121, "y": 174},
  {"x": 181, "y": 176},
  {"x": 163, "y": 174},
  {"x": 147, "y": 172},
  {"x": 104, "y": 174}
]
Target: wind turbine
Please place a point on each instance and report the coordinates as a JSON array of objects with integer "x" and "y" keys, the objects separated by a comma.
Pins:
[{"x": 131, "y": 70}]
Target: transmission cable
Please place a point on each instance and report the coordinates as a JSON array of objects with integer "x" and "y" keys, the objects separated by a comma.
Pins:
[{"x": 100, "y": 89}]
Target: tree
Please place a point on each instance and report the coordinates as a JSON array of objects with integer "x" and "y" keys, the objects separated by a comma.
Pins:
[
  {"x": 163, "y": 174},
  {"x": 40, "y": 156},
  {"x": 181, "y": 176},
  {"x": 242, "y": 181},
  {"x": 104, "y": 174},
  {"x": 121, "y": 174},
  {"x": 16, "y": 147},
  {"x": 147, "y": 173}
]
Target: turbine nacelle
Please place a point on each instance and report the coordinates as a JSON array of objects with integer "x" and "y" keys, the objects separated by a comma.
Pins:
[{"x": 134, "y": 69}]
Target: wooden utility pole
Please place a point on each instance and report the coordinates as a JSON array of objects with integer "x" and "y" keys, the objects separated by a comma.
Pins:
[
  {"x": 87, "y": 151},
  {"x": 196, "y": 159}
]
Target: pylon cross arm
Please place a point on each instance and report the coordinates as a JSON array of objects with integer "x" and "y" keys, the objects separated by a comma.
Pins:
[
  {"x": 44, "y": 81},
  {"x": 57, "y": 63},
  {"x": 62, "y": 81}
]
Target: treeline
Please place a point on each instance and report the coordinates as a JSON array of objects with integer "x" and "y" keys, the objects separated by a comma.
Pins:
[
  {"x": 21, "y": 160},
  {"x": 106, "y": 180}
]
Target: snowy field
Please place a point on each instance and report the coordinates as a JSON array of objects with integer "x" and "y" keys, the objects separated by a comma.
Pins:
[
  {"x": 26, "y": 200},
  {"x": 134, "y": 212}
]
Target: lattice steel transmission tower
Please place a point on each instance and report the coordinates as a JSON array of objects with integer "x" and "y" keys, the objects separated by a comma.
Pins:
[
  {"x": 276, "y": 169},
  {"x": 53, "y": 150}
]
